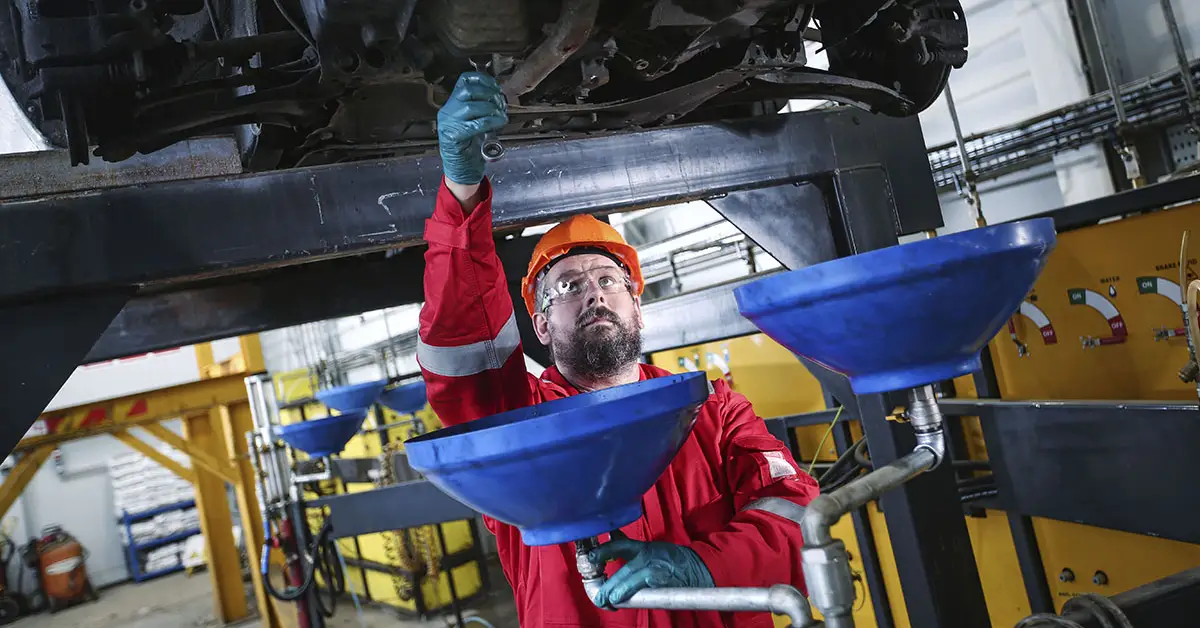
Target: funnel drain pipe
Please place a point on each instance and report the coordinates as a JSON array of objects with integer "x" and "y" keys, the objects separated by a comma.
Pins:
[
  {"x": 780, "y": 599},
  {"x": 826, "y": 563}
]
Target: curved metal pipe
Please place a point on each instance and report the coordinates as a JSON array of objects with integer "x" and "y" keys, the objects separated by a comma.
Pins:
[
  {"x": 826, "y": 563},
  {"x": 825, "y": 511},
  {"x": 780, "y": 599},
  {"x": 571, "y": 31}
]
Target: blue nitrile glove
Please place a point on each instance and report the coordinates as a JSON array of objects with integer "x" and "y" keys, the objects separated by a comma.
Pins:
[
  {"x": 653, "y": 564},
  {"x": 476, "y": 106}
]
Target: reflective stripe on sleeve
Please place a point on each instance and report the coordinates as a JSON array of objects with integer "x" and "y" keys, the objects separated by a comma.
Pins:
[
  {"x": 787, "y": 509},
  {"x": 474, "y": 358}
]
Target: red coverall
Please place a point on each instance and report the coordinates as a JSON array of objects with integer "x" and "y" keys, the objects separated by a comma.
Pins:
[{"x": 732, "y": 494}]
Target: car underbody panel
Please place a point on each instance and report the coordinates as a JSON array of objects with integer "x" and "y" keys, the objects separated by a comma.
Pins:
[{"x": 304, "y": 82}]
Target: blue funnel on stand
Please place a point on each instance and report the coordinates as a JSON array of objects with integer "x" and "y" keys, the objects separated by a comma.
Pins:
[
  {"x": 566, "y": 469},
  {"x": 353, "y": 397},
  {"x": 406, "y": 398},
  {"x": 322, "y": 437},
  {"x": 907, "y": 315}
]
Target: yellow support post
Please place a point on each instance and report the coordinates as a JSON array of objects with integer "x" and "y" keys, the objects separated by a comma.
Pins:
[
  {"x": 236, "y": 421},
  {"x": 150, "y": 452},
  {"x": 199, "y": 457},
  {"x": 204, "y": 433},
  {"x": 204, "y": 356},
  {"x": 252, "y": 355},
  {"x": 16, "y": 481}
]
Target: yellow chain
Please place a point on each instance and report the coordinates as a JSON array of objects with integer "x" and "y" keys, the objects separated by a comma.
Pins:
[{"x": 395, "y": 543}]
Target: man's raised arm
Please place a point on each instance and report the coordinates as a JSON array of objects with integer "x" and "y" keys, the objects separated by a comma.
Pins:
[{"x": 468, "y": 348}]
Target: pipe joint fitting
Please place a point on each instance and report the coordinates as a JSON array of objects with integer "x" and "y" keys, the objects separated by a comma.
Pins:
[
  {"x": 827, "y": 573},
  {"x": 926, "y": 419},
  {"x": 819, "y": 515}
]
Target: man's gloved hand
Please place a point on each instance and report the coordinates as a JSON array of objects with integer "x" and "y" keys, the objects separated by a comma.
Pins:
[
  {"x": 652, "y": 564},
  {"x": 476, "y": 106}
]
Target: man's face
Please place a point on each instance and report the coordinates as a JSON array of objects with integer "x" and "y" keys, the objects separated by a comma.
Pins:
[{"x": 593, "y": 322}]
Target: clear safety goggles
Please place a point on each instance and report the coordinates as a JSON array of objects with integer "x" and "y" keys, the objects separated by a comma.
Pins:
[{"x": 570, "y": 287}]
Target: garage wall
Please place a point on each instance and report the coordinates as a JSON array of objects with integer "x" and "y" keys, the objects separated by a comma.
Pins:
[{"x": 79, "y": 496}]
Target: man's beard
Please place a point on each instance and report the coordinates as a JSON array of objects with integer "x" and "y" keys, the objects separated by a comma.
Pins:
[{"x": 598, "y": 352}]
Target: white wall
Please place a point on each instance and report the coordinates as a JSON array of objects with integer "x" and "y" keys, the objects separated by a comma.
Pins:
[
  {"x": 81, "y": 501},
  {"x": 128, "y": 376},
  {"x": 1023, "y": 61},
  {"x": 1138, "y": 32}
]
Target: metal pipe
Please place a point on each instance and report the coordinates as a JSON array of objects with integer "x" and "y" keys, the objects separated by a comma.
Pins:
[
  {"x": 827, "y": 509},
  {"x": 256, "y": 464},
  {"x": 971, "y": 194},
  {"x": 780, "y": 599},
  {"x": 826, "y": 563},
  {"x": 1185, "y": 68},
  {"x": 926, "y": 419},
  {"x": 272, "y": 464},
  {"x": 1110, "y": 73}
]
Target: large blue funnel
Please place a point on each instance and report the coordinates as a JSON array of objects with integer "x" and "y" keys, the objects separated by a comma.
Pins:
[
  {"x": 322, "y": 437},
  {"x": 566, "y": 469},
  {"x": 406, "y": 398},
  {"x": 353, "y": 397},
  {"x": 907, "y": 315}
]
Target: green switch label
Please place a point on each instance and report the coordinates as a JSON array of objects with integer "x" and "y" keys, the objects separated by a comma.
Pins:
[
  {"x": 1077, "y": 296},
  {"x": 1147, "y": 285}
]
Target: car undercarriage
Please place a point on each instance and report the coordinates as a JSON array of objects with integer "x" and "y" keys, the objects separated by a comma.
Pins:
[{"x": 305, "y": 82}]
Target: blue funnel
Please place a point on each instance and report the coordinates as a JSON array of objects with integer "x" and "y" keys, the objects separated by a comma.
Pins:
[
  {"x": 907, "y": 315},
  {"x": 565, "y": 469},
  {"x": 353, "y": 397},
  {"x": 406, "y": 398},
  {"x": 322, "y": 437}
]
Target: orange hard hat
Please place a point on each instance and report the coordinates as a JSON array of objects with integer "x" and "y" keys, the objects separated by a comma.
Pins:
[{"x": 579, "y": 231}]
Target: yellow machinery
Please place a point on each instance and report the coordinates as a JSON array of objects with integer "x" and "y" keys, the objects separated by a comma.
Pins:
[
  {"x": 1103, "y": 322},
  {"x": 380, "y": 565},
  {"x": 215, "y": 414}
]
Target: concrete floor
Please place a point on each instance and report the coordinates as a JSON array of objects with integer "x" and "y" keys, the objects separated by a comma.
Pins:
[{"x": 180, "y": 601}]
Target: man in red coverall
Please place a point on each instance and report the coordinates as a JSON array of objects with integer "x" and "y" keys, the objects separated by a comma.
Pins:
[{"x": 725, "y": 513}]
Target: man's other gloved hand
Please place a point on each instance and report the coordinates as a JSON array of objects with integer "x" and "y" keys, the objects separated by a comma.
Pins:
[
  {"x": 652, "y": 564},
  {"x": 476, "y": 106}
]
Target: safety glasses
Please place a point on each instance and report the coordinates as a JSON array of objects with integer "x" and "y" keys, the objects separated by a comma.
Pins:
[{"x": 572, "y": 287}]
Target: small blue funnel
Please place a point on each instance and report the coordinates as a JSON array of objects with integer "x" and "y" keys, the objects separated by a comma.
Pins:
[
  {"x": 322, "y": 437},
  {"x": 406, "y": 398},
  {"x": 353, "y": 397},
  {"x": 907, "y": 315},
  {"x": 566, "y": 469}
]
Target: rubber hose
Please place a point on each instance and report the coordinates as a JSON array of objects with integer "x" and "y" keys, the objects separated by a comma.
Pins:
[
  {"x": 843, "y": 480},
  {"x": 860, "y": 456},
  {"x": 977, "y": 495},
  {"x": 335, "y": 582},
  {"x": 309, "y": 574},
  {"x": 847, "y": 457}
]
